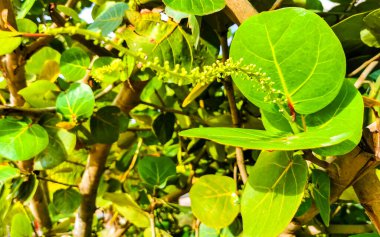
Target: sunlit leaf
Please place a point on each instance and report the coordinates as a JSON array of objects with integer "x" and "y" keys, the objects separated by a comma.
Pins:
[
  {"x": 9, "y": 41},
  {"x": 74, "y": 64},
  {"x": 273, "y": 193},
  {"x": 21, "y": 140},
  {"x": 196, "y": 7},
  {"x": 301, "y": 55},
  {"x": 76, "y": 103},
  {"x": 214, "y": 200}
]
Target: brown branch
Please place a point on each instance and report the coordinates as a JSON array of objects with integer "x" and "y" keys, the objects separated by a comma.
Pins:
[
  {"x": 368, "y": 191},
  {"x": 365, "y": 73},
  {"x": 310, "y": 157},
  {"x": 127, "y": 99},
  {"x": 276, "y": 5},
  {"x": 239, "y": 11}
]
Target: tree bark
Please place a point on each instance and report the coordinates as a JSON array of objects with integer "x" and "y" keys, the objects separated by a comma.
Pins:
[
  {"x": 368, "y": 191},
  {"x": 127, "y": 99},
  {"x": 239, "y": 11}
]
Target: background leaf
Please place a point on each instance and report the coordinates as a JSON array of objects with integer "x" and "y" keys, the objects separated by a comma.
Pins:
[
  {"x": 76, "y": 103},
  {"x": 321, "y": 194},
  {"x": 301, "y": 55},
  {"x": 40, "y": 94},
  {"x": 21, "y": 140},
  {"x": 7, "y": 173},
  {"x": 214, "y": 200},
  {"x": 128, "y": 208},
  {"x": 36, "y": 63},
  {"x": 196, "y": 7},
  {"x": 163, "y": 127},
  {"x": 74, "y": 64},
  {"x": 156, "y": 170},
  {"x": 105, "y": 125},
  {"x": 273, "y": 193},
  {"x": 66, "y": 201},
  {"x": 110, "y": 19}
]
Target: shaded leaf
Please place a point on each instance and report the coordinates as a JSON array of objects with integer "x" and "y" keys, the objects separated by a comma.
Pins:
[
  {"x": 273, "y": 193},
  {"x": 214, "y": 200},
  {"x": 66, "y": 201},
  {"x": 74, "y": 63},
  {"x": 110, "y": 19},
  {"x": 163, "y": 127},
  {"x": 76, "y": 103},
  {"x": 321, "y": 194},
  {"x": 37, "y": 61},
  {"x": 105, "y": 125},
  {"x": 21, "y": 140},
  {"x": 25, "y": 8},
  {"x": 156, "y": 170},
  {"x": 301, "y": 55}
]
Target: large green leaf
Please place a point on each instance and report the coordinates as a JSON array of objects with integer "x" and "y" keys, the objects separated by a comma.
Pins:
[
  {"x": 321, "y": 194},
  {"x": 21, "y": 226},
  {"x": 21, "y": 140},
  {"x": 74, "y": 64},
  {"x": 301, "y": 55},
  {"x": 9, "y": 41},
  {"x": 128, "y": 208},
  {"x": 76, "y": 103},
  {"x": 196, "y": 7},
  {"x": 214, "y": 200},
  {"x": 337, "y": 116},
  {"x": 156, "y": 170},
  {"x": 110, "y": 19},
  {"x": 273, "y": 193}
]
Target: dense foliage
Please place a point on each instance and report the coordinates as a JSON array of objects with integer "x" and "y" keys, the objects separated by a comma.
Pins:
[{"x": 189, "y": 118}]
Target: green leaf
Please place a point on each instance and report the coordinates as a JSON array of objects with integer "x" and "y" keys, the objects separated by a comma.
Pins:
[
  {"x": 102, "y": 69},
  {"x": 69, "y": 12},
  {"x": 214, "y": 200},
  {"x": 21, "y": 140},
  {"x": 26, "y": 25},
  {"x": 21, "y": 226},
  {"x": 76, "y": 103},
  {"x": 105, "y": 125},
  {"x": 74, "y": 64},
  {"x": 25, "y": 8},
  {"x": 301, "y": 55},
  {"x": 156, "y": 170},
  {"x": 163, "y": 127},
  {"x": 128, "y": 208},
  {"x": 40, "y": 94},
  {"x": 337, "y": 117},
  {"x": 36, "y": 63},
  {"x": 9, "y": 41},
  {"x": 66, "y": 201},
  {"x": 7, "y": 173},
  {"x": 110, "y": 19},
  {"x": 321, "y": 194},
  {"x": 196, "y": 7},
  {"x": 371, "y": 35},
  {"x": 366, "y": 235},
  {"x": 273, "y": 193}
]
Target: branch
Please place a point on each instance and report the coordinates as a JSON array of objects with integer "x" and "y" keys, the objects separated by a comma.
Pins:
[
  {"x": 364, "y": 65},
  {"x": 365, "y": 73},
  {"x": 239, "y": 11},
  {"x": 127, "y": 99},
  {"x": 368, "y": 191}
]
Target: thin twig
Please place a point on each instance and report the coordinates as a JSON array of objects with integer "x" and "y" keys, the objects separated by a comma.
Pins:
[
  {"x": 75, "y": 163},
  {"x": 364, "y": 65},
  {"x": 365, "y": 73},
  {"x": 310, "y": 157},
  {"x": 106, "y": 90},
  {"x": 276, "y": 5},
  {"x": 134, "y": 159},
  {"x": 57, "y": 182},
  {"x": 15, "y": 109}
]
